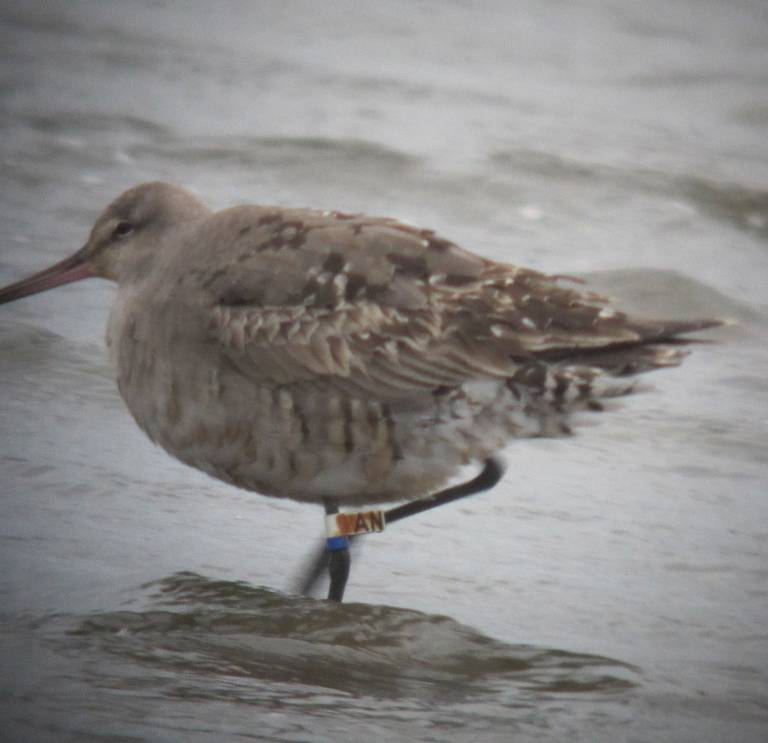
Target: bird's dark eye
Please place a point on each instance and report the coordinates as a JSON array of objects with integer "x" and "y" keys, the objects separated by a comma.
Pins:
[{"x": 122, "y": 229}]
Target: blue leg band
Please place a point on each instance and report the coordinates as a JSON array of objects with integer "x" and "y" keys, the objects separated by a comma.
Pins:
[{"x": 336, "y": 543}]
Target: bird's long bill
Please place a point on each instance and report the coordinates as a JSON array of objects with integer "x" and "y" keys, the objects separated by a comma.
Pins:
[{"x": 70, "y": 269}]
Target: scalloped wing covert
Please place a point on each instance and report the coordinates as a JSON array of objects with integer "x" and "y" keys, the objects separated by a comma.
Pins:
[{"x": 381, "y": 308}]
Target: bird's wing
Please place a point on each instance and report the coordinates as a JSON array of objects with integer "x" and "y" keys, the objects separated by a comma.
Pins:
[{"x": 384, "y": 309}]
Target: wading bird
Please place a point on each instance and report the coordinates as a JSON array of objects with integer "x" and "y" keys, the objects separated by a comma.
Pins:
[{"x": 340, "y": 359}]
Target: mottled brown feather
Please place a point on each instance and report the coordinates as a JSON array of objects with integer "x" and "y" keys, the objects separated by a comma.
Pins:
[{"x": 424, "y": 313}]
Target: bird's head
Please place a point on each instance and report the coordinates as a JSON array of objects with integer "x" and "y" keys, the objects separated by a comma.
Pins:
[{"x": 122, "y": 242}]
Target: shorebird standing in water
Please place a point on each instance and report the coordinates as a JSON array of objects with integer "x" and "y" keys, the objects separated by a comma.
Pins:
[{"x": 340, "y": 359}]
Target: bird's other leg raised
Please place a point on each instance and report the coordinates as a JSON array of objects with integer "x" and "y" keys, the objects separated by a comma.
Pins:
[
  {"x": 338, "y": 564},
  {"x": 490, "y": 475}
]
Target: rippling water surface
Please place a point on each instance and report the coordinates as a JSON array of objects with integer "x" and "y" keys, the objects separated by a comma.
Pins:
[{"x": 612, "y": 587}]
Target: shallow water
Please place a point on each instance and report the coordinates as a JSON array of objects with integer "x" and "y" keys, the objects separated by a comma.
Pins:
[{"x": 612, "y": 587}]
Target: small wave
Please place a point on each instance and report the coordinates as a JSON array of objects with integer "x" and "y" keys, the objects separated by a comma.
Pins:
[
  {"x": 275, "y": 151},
  {"x": 82, "y": 122},
  {"x": 745, "y": 208},
  {"x": 662, "y": 293},
  {"x": 195, "y": 624},
  {"x": 33, "y": 347},
  {"x": 742, "y": 206}
]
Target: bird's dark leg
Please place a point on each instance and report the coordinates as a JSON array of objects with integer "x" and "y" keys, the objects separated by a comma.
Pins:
[
  {"x": 491, "y": 474},
  {"x": 339, "y": 559}
]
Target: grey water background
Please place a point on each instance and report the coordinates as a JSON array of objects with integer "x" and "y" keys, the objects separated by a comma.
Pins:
[{"x": 611, "y": 588}]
